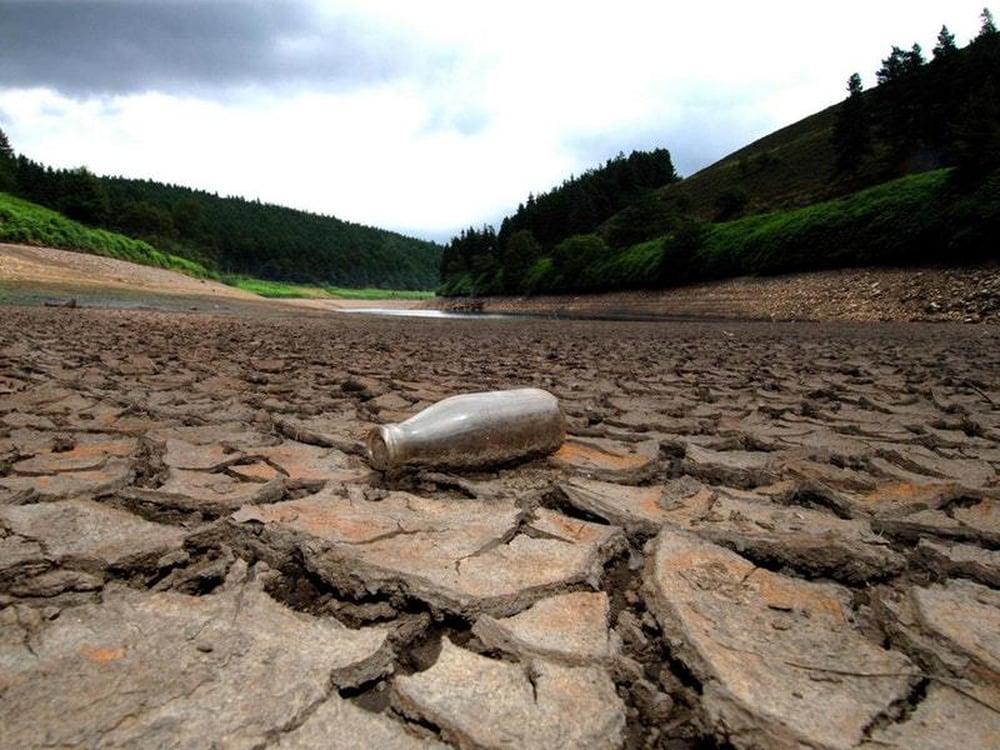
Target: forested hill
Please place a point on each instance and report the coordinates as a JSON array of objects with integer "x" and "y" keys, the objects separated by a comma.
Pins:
[
  {"x": 484, "y": 261},
  {"x": 225, "y": 234},
  {"x": 272, "y": 242},
  {"x": 906, "y": 172}
]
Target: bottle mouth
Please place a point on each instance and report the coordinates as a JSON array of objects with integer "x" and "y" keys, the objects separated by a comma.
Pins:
[{"x": 381, "y": 444}]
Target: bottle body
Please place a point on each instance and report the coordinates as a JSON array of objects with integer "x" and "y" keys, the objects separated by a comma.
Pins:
[{"x": 473, "y": 429}]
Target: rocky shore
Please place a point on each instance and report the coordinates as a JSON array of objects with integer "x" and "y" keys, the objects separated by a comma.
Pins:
[
  {"x": 963, "y": 295},
  {"x": 757, "y": 535}
]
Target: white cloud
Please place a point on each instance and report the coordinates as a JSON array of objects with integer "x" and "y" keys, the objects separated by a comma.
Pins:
[{"x": 507, "y": 98}]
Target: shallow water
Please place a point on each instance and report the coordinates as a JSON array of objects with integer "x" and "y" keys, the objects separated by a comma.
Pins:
[{"x": 425, "y": 313}]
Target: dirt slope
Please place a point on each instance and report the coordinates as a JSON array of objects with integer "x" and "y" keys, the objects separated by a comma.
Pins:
[{"x": 32, "y": 274}]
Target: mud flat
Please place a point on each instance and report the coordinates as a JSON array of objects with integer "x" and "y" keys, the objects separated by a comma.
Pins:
[
  {"x": 757, "y": 535},
  {"x": 932, "y": 294}
]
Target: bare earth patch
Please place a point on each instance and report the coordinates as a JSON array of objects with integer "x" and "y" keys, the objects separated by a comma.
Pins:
[
  {"x": 758, "y": 535},
  {"x": 30, "y": 274}
]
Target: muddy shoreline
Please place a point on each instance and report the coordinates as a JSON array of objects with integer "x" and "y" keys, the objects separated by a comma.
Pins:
[
  {"x": 193, "y": 546},
  {"x": 962, "y": 295}
]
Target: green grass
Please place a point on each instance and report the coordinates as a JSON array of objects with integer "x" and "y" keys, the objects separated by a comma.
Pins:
[
  {"x": 285, "y": 290},
  {"x": 916, "y": 220},
  {"x": 370, "y": 293},
  {"x": 275, "y": 289},
  {"x": 30, "y": 224}
]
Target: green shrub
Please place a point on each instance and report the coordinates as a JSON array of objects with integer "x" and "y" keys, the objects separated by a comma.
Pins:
[{"x": 540, "y": 276}]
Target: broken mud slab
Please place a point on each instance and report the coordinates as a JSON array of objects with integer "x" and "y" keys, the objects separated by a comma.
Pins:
[
  {"x": 464, "y": 558},
  {"x": 779, "y": 663},
  {"x": 60, "y": 464},
  {"x": 82, "y": 536},
  {"x": 834, "y": 487},
  {"x": 608, "y": 459},
  {"x": 232, "y": 664},
  {"x": 774, "y": 535},
  {"x": 960, "y": 561},
  {"x": 338, "y": 724},
  {"x": 481, "y": 702},
  {"x": 570, "y": 629},
  {"x": 947, "y": 717}
]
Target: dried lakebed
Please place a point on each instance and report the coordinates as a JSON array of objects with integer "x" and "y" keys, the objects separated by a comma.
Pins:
[{"x": 756, "y": 536}]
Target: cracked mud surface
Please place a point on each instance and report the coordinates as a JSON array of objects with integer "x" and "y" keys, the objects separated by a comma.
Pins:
[{"x": 756, "y": 536}]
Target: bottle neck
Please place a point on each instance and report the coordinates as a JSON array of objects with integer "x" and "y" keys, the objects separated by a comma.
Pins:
[{"x": 383, "y": 446}]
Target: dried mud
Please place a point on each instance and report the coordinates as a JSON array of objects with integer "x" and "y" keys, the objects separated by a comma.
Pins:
[{"x": 758, "y": 535}]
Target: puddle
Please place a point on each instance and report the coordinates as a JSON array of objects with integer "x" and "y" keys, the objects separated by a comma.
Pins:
[{"x": 425, "y": 313}]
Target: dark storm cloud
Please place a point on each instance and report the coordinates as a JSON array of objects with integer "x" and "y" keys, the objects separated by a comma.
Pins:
[{"x": 83, "y": 47}]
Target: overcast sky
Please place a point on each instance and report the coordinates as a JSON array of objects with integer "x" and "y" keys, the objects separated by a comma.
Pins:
[{"x": 426, "y": 116}]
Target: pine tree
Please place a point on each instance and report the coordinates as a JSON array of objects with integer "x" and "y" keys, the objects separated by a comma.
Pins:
[
  {"x": 851, "y": 133},
  {"x": 7, "y": 164},
  {"x": 6, "y": 152},
  {"x": 988, "y": 28},
  {"x": 945, "y": 46}
]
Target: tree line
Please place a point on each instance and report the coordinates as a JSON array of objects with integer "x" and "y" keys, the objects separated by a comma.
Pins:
[
  {"x": 230, "y": 235},
  {"x": 925, "y": 114},
  {"x": 487, "y": 261},
  {"x": 615, "y": 227}
]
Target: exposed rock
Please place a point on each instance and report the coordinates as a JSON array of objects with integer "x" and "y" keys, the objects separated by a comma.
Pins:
[
  {"x": 143, "y": 669},
  {"x": 479, "y": 702},
  {"x": 779, "y": 663}
]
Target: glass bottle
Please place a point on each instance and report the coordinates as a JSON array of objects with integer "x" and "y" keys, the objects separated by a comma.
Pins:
[{"x": 472, "y": 430}]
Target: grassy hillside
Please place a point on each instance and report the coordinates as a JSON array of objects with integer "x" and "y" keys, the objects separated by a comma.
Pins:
[
  {"x": 789, "y": 168},
  {"x": 918, "y": 219},
  {"x": 31, "y": 224},
  {"x": 228, "y": 234}
]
